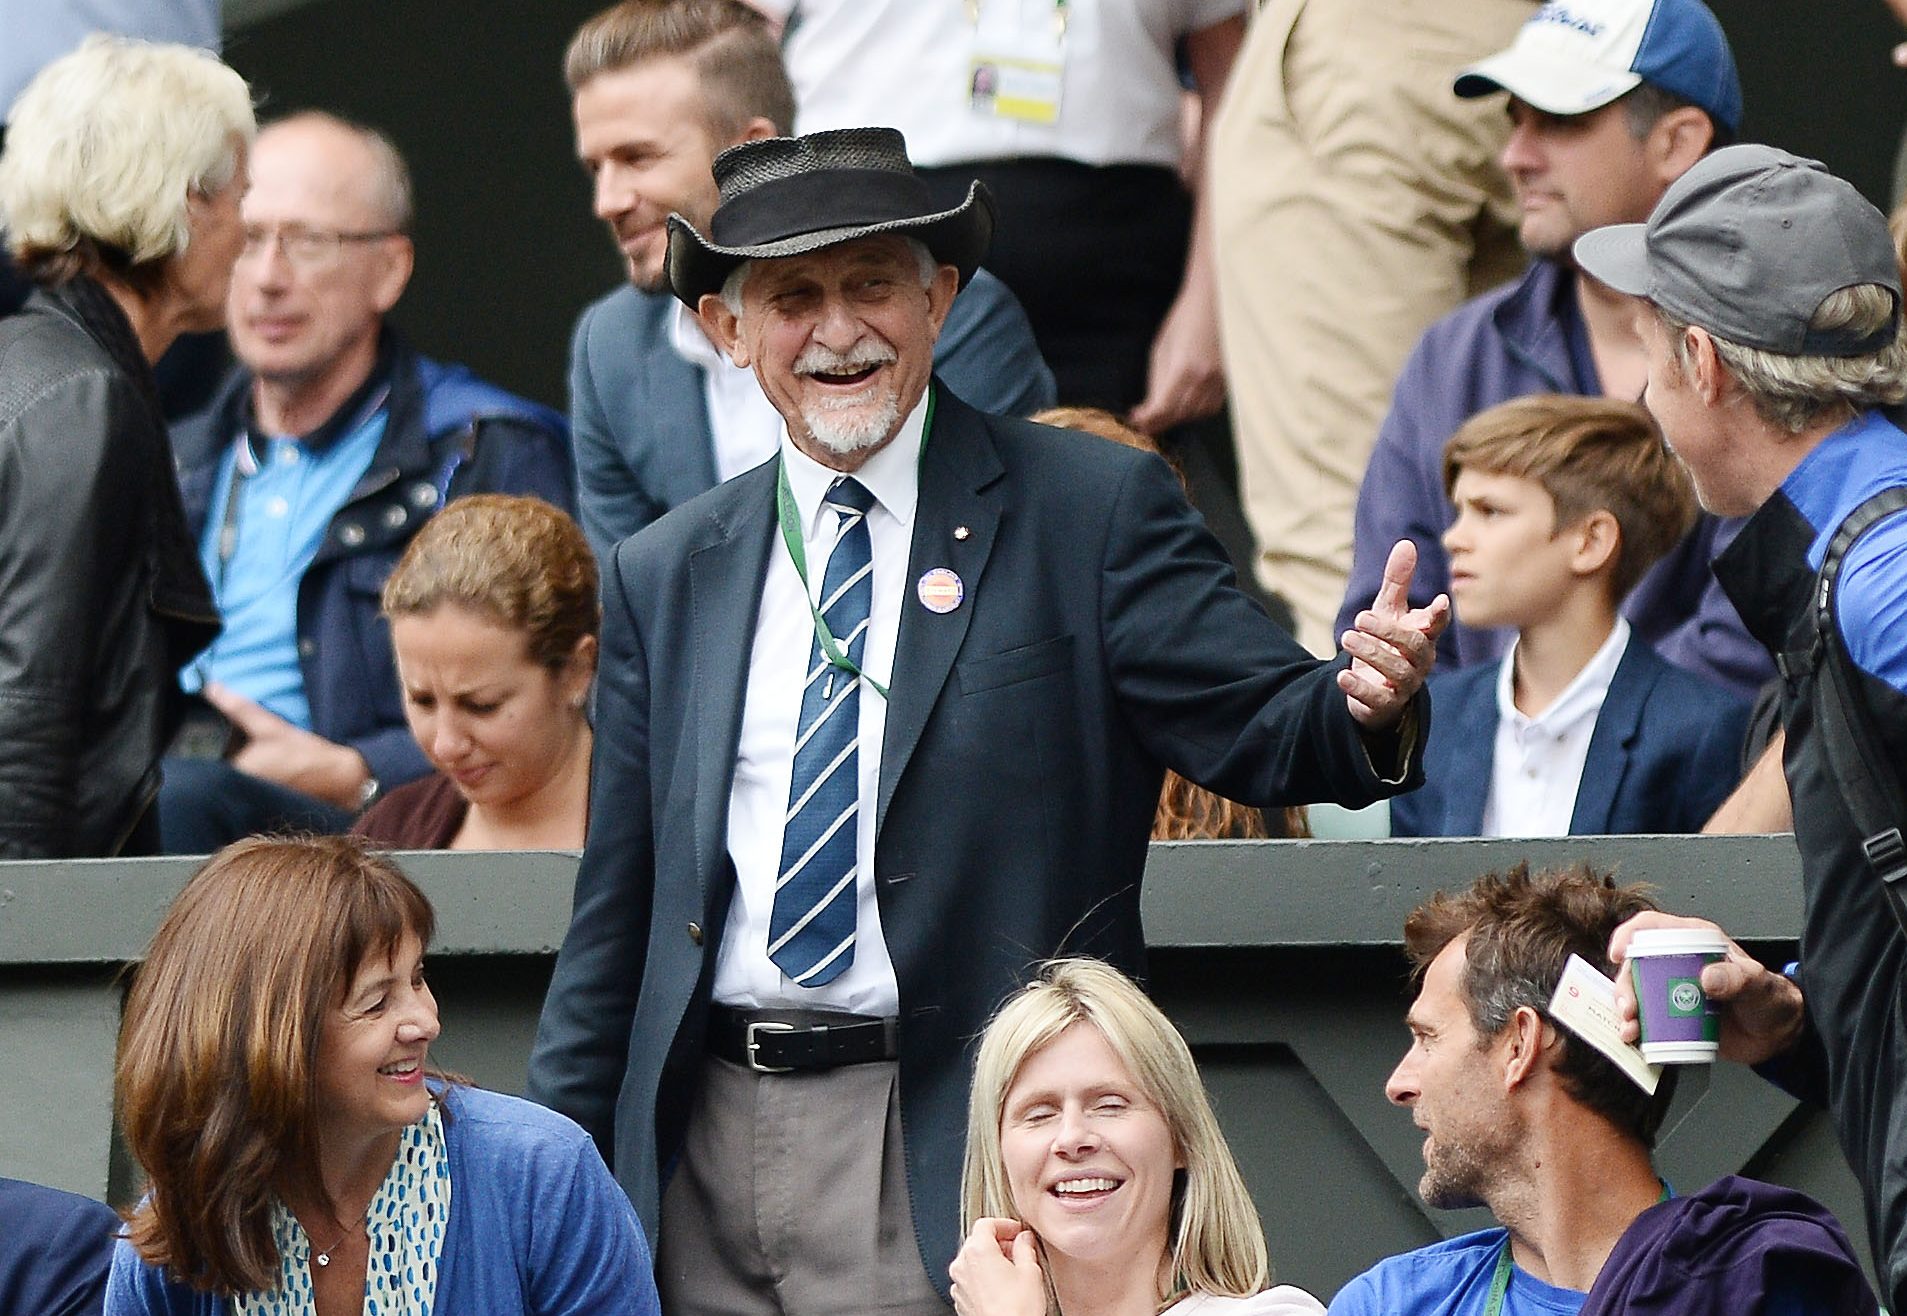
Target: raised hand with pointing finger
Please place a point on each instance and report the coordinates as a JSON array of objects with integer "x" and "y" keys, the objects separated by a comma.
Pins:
[{"x": 1392, "y": 646}]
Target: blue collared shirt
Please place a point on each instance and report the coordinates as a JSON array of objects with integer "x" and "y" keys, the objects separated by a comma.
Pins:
[{"x": 288, "y": 490}]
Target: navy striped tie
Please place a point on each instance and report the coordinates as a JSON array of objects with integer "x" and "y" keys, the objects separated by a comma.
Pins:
[{"x": 811, "y": 930}]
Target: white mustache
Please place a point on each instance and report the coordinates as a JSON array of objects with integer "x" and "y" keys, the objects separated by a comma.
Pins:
[{"x": 815, "y": 358}]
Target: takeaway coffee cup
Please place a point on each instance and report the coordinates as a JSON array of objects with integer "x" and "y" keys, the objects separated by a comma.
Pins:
[{"x": 1679, "y": 1026}]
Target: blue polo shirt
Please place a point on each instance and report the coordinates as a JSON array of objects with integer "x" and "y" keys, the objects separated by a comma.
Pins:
[
  {"x": 287, "y": 490},
  {"x": 1451, "y": 1278}
]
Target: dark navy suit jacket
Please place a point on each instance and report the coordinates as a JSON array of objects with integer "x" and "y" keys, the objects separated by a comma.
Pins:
[
  {"x": 1665, "y": 753},
  {"x": 55, "y": 1249},
  {"x": 640, "y": 416},
  {"x": 1102, "y": 637}
]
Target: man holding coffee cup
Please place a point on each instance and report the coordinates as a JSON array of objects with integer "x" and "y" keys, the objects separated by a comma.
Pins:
[
  {"x": 1523, "y": 1117},
  {"x": 1771, "y": 311}
]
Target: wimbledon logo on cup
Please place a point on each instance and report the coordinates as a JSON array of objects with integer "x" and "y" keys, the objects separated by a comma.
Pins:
[{"x": 1685, "y": 998}]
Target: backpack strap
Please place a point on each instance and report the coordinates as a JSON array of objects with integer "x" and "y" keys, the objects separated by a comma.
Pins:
[{"x": 1869, "y": 783}]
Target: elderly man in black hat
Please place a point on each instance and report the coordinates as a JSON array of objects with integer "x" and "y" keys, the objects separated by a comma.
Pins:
[
  {"x": 1776, "y": 365},
  {"x": 881, "y": 722}
]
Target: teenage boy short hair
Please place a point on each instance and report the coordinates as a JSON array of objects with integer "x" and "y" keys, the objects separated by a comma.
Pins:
[{"x": 1589, "y": 454}]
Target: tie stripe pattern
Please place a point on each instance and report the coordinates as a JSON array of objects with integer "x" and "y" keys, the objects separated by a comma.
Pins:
[{"x": 811, "y": 929}]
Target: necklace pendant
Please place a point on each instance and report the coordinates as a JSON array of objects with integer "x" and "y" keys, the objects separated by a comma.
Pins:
[{"x": 323, "y": 1258}]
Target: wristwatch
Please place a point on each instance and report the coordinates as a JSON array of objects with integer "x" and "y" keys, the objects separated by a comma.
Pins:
[{"x": 368, "y": 793}]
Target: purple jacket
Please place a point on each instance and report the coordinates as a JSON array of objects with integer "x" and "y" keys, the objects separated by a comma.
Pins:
[
  {"x": 1739, "y": 1247},
  {"x": 1507, "y": 344}
]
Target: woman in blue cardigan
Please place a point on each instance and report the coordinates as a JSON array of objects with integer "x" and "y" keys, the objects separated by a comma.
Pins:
[{"x": 303, "y": 1158}]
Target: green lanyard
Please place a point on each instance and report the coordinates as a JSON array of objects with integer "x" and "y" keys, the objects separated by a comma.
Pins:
[
  {"x": 790, "y": 516},
  {"x": 1500, "y": 1282}
]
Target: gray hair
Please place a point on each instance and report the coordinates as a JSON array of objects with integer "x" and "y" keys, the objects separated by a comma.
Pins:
[
  {"x": 105, "y": 149},
  {"x": 737, "y": 277},
  {"x": 1794, "y": 393}
]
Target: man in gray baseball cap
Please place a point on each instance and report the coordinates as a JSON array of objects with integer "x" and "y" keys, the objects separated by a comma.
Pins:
[{"x": 1772, "y": 313}]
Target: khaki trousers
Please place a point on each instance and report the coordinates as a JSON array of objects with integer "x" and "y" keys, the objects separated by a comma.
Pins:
[
  {"x": 790, "y": 1199},
  {"x": 1355, "y": 199}
]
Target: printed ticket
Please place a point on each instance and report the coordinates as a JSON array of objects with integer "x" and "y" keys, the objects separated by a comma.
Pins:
[{"x": 1585, "y": 1003}]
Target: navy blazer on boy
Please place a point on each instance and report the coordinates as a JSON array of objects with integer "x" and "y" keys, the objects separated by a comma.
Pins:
[{"x": 1665, "y": 753}]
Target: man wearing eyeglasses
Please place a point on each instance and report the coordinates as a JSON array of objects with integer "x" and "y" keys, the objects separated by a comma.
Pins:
[{"x": 316, "y": 462}]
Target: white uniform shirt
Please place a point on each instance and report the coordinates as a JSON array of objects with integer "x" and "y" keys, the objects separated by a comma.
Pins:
[
  {"x": 742, "y": 421},
  {"x": 764, "y": 761},
  {"x": 908, "y": 64},
  {"x": 1538, "y": 761}
]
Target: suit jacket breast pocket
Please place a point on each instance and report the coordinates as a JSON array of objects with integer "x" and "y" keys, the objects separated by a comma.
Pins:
[{"x": 1029, "y": 662}]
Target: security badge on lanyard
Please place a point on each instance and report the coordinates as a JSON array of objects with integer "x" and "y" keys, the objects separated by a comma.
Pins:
[{"x": 1017, "y": 68}]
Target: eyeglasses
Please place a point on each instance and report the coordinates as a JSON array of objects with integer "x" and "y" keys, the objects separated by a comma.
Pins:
[{"x": 306, "y": 248}]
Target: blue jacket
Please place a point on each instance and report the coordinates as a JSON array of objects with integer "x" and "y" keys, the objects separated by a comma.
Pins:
[
  {"x": 1664, "y": 755},
  {"x": 449, "y": 433},
  {"x": 643, "y": 443},
  {"x": 536, "y": 1228},
  {"x": 1739, "y": 1246},
  {"x": 54, "y": 1250},
  {"x": 1510, "y": 343}
]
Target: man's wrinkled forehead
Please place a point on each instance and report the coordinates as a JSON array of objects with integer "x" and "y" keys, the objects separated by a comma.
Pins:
[{"x": 882, "y": 253}]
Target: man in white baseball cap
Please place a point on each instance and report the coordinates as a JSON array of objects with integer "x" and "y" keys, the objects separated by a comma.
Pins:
[{"x": 1610, "y": 101}]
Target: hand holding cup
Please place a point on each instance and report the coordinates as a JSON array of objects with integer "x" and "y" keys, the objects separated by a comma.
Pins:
[{"x": 1761, "y": 1010}]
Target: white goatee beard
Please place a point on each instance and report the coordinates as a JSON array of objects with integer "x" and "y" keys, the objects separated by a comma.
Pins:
[{"x": 847, "y": 425}]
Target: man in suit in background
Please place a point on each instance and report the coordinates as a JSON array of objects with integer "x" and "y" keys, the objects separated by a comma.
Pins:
[
  {"x": 843, "y": 820},
  {"x": 660, "y": 87}
]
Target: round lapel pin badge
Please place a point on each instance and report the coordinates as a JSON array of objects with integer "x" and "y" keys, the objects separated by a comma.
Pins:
[{"x": 940, "y": 590}]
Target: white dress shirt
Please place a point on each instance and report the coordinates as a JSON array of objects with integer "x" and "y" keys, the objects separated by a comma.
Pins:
[
  {"x": 909, "y": 64},
  {"x": 771, "y": 714},
  {"x": 743, "y": 423},
  {"x": 1538, "y": 761}
]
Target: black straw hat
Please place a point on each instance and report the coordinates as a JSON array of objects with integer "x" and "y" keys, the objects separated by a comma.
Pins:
[{"x": 784, "y": 196}]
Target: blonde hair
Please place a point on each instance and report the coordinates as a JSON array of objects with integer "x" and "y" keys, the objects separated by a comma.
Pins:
[
  {"x": 514, "y": 558},
  {"x": 1589, "y": 454},
  {"x": 1217, "y": 1245},
  {"x": 106, "y": 148},
  {"x": 1794, "y": 393}
]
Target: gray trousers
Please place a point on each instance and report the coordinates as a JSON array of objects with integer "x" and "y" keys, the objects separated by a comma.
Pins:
[{"x": 790, "y": 1198}]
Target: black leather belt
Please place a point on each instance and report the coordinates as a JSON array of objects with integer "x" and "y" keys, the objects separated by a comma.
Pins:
[{"x": 785, "y": 1041}]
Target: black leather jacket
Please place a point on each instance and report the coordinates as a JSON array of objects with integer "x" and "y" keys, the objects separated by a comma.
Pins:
[{"x": 101, "y": 595}]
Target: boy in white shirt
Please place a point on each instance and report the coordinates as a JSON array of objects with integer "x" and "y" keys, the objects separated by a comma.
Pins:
[{"x": 1562, "y": 504}]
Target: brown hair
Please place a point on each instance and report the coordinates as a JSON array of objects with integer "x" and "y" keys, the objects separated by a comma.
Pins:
[
  {"x": 1590, "y": 455},
  {"x": 511, "y": 557},
  {"x": 216, "y": 1082},
  {"x": 734, "y": 53},
  {"x": 1522, "y": 927},
  {"x": 1187, "y": 811}
]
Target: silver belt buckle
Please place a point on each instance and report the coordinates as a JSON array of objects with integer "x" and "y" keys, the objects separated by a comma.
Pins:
[{"x": 751, "y": 1045}]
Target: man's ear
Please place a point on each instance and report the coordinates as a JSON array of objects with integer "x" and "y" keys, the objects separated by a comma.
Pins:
[
  {"x": 1528, "y": 1035},
  {"x": 755, "y": 130},
  {"x": 1679, "y": 138},
  {"x": 394, "y": 272},
  {"x": 723, "y": 327},
  {"x": 940, "y": 294},
  {"x": 1708, "y": 376}
]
